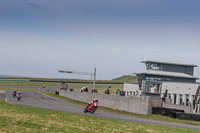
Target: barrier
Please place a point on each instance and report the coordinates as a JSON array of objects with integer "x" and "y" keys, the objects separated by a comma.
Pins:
[
  {"x": 166, "y": 111},
  {"x": 175, "y": 113},
  {"x": 140, "y": 105}
]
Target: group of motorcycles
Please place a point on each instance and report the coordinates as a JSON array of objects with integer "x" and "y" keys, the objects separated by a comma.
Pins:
[
  {"x": 17, "y": 94},
  {"x": 92, "y": 107}
]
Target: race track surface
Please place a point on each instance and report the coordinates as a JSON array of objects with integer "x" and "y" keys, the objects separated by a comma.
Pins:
[{"x": 36, "y": 99}]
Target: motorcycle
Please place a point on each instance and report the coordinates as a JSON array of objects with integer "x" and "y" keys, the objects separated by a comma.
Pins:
[
  {"x": 91, "y": 108},
  {"x": 18, "y": 97},
  {"x": 14, "y": 93}
]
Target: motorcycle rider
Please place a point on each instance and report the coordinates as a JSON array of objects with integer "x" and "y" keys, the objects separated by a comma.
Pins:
[
  {"x": 18, "y": 94},
  {"x": 14, "y": 93},
  {"x": 93, "y": 101}
]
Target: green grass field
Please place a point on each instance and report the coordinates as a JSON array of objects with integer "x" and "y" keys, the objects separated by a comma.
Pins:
[
  {"x": 16, "y": 83},
  {"x": 22, "y": 119}
]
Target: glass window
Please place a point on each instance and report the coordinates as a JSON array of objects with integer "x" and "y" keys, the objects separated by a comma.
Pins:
[
  {"x": 152, "y": 66},
  {"x": 152, "y": 87},
  {"x": 153, "y": 79}
]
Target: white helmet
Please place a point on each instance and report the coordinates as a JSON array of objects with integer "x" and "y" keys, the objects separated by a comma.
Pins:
[{"x": 96, "y": 100}]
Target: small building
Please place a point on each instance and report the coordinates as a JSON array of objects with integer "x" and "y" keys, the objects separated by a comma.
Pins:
[{"x": 175, "y": 78}]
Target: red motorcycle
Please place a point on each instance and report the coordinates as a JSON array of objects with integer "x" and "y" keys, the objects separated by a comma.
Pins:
[
  {"x": 14, "y": 93},
  {"x": 91, "y": 108}
]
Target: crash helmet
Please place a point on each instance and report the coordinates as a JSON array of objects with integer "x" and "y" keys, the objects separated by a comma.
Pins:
[{"x": 96, "y": 100}]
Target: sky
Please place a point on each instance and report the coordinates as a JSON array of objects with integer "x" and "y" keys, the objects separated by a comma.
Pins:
[{"x": 40, "y": 37}]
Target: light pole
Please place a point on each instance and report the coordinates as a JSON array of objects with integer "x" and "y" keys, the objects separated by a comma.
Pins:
[{"x": 82, "y": 73}]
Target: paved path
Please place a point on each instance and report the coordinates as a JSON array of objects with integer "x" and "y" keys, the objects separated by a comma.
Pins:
[{"x": 42, "y": 101}]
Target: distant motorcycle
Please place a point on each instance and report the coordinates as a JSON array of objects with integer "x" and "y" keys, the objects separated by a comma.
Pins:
[
  {"x": 18, "y": 95},
  {"x": 91, "y": 108},
  {"x": 14, "y": 93}
]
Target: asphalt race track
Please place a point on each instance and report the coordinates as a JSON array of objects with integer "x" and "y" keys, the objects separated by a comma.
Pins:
[{"x": 35, "y": 99}]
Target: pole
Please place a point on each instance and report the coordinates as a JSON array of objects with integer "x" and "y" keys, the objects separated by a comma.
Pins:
[
  {"x": 94, "y": 78},
  {"x": 91, "y": 81}
]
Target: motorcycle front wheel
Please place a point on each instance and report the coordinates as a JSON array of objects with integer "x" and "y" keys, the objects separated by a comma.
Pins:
[
  {"x": 18, "y": 98},
  {"x": 93, "y": 110},
  {"x": 85, "y": 110}
]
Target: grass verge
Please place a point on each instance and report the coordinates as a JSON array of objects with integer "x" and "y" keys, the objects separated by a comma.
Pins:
[{"x": 20, "y": 119}]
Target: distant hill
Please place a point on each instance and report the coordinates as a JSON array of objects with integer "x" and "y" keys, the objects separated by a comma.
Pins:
[{"x": 126, "y": 79}]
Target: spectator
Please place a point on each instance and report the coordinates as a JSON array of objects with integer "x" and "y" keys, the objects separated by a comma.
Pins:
[
  {"x": 188, "y": 102},
  {"x": 86, "y": 89},
  {"x": 118, "y": 92},
  {"x": 136, "y": 93},
  {"x": 83, "y": 89},
  {"x": 71, "y": 89},
  {"x": 122, "y": 93},
  {"x": 107, "y": 91},
  {"x": 140, "y": 87},
  {"x": 94, "y": 91}
]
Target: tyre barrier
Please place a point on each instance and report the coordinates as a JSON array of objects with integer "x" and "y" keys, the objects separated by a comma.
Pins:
[
  {"x": 175, "y": 113},
  {"x": 187, "y": 116},
  {"x": 166, "y": 111}
]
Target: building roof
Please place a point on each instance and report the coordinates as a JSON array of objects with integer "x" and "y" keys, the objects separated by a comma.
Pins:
[
  {"x": 168, "y": 62},
  {"x": 168, "y": 74}
]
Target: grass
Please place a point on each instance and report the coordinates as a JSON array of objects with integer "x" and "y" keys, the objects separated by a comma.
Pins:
[
  {"x": 20, "y": 119},
  {"x": 17, "y": 83},
  {"x": 126, "y": 79},
  {"x": 20, "y": 89},
  {"x": 150, "y": 116}
]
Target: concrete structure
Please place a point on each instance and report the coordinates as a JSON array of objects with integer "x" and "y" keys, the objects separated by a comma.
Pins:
[
  {"x": 157, "y": 70},
  {"x": 174, "y": 77},
  {"x": 130, "y": 104},
  {"x": 140, "y": 105}
]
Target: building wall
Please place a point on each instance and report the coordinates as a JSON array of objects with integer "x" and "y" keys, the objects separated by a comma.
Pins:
[
  {"x": 131, "y": 89},
  {"x": 180, "y": 88},
  {"x": 177, "y": 91},
  {"x": 140, "y": 105},
  {"x": 175, "y": 68}
]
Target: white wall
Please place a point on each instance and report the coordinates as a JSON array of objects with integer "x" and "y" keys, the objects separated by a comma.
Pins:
[
  {"x": 130, "y": 87},
  {"x": 180, "y": 88}
]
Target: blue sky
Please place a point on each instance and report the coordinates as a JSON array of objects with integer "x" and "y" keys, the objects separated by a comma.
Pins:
[{"x": 40, "y": 37}]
